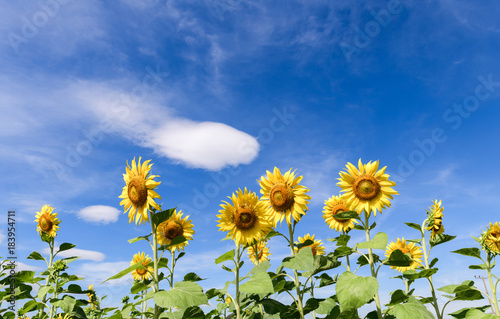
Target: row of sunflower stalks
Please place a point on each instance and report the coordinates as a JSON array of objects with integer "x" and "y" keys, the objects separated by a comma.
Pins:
[{"x": 252, "y": 222}]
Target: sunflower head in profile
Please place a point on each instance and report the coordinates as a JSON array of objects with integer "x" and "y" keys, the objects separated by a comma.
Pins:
[
  {"x": 333, "y": 206},
  {"x": 92, "y": 297},
  {"x": 316, "y": 247},
  {"x": 284, "y": 197},
  {"x": 141, "y": 274},
  {"x": 175, "y": 226},
  {"x": 138, "y": 193},
  {"x": 366, "y": 188},
  {"x": 258, "y": 253},
  {"x": 406, "y": 248},
  {"x": 435, "y": 219},
  {"x": 245, "y": 218},
  {"x": 490, "y": 239},
  {"x": 47, "y": 222}
]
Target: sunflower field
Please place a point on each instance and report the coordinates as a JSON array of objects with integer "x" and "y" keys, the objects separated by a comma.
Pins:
[{"x": 252, "y": 221}]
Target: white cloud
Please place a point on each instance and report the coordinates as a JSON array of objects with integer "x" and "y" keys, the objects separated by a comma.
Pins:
[
  {"x": 99, "y": 214},
  {"x": 98, "y": 272},
  {"x": 83, "y": 254},
  {"x": 2, "y": 237}
]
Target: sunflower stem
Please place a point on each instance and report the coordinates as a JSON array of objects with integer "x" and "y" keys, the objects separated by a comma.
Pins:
[
  {"x": 493, "y": 287},
  {"x": 237, "y": 270},
  {"x": 51, "y": 259},
  {"x": 172, "y": 254},
  {"x": 297, "y": 282},
  {"x": 372, "y": 266},
  {"x": 155, "y": 264},
  {"x": 426, "y": 260}
]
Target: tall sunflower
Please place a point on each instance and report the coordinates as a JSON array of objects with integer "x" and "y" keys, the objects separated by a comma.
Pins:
[
  {"x": 138, "y": 193},
  {"x": 491, "y": 239},
  {"x": 259, "y": 255},
  {"x": 333, "y": 206},
  {"x": 316, "y": 247},
  {"x": 435, "y": 219},
  {"x": 366, "y": 188},
  {"x": 92, "y": 297},
  {"x": 283, "y": 195},
  {"x": 245, "y": 219},
  {"x": 139, "y": 273},
  {"x": 406, "y": 248},
  {"x": 173, "y": 227},
  {"x": 47, "y": 221}
]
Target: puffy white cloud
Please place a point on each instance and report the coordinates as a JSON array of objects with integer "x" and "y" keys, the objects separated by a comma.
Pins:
[
  {"x": 99, "y": 214},
  {"x": 82, "y": 253}
]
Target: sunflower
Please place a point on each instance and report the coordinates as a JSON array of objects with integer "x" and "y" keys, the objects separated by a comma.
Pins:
[
  {"x": 406, "y": 248},
  {"x": 284, "y": 196},
  {"x": 316, "y": 247},
  {"x": 366, "y": 188},
  {"x": 173, "y": 227},
  {"x": 260, "y": 255},
  {"x": 333, "y": 206},
  {"x": 92, "y": 296},
  {"x": 138, "y": 193},
  {"x": 47, "y": 221},
  {"x": 246, "y": 218},
  {"x": 435, "y": 219},
  {"x": 491, "y": 239},
  {"x": 139, "y": 273}
]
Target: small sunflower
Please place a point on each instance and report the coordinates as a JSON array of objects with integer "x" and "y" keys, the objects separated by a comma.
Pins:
[
  {"x": 139, "y": 273},
  {"x": 435, "y": 219},
  {"x": 262, "y": 253},
  {"x": 366, "y": 188},
  {"x": 173, "y": 227},
  {"x": 138, "y": 193},
  {"x": 47, "y": 221},
  {"x": 333, "y": 206},
  {"x": 245, "y": 219},
  {"x": 92, "y": 297},
  {"x": 284, "y": 196},
  {"x": 491, "y": 239},
  {"x": 406, "y": 248},
  {"x": 316, "y": 247}
]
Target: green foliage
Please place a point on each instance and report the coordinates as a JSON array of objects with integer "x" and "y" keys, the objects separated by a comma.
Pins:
[
  {"x": 379, "y": 241},
  {"x": 184, "y": 294},
  {"x": 355, "y": 291},
  {"x": 411, "y": 310}
]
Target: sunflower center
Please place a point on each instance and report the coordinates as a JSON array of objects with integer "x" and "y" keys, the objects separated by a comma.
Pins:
[
  {"x": 339, "y": 208},
  {"x": 405, "y": 250},
  {"x": 172, "y": 230},
  {"x": 281, "y": 197},
  {"x": 245, "y": 218},
  {"x": 366, "y": 187},
  {"x": 137, "y": 191},
  {"x": 141, "y": 271},
  {"x": 45, "y": 223}
]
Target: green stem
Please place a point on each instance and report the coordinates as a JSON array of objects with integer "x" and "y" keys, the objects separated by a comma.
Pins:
[
  {"x": 493, "y": 287},
  {"x": 51, "y": 259},
  {"x": 297, "y": 282},
  {"x": 372, "y": 266},
  {"x": 172, "y": 254},
  {"x": 155, "y": 262},
  {"x": 426, "y": 260},
  {"x": 237, "y": 269}
]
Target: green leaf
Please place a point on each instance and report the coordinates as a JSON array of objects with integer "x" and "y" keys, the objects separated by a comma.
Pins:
[
  {"x": 322, "y": 263},
  {"x": 411, "y": 310},
  {"x": 480, "y": 267},
  {"x": 272, "y": 233},
  {"x": 193, "y": 312},
  {"x": 440, "y": 239},
  {"x": 307, "y": 242},
  {"x": 398, "y": 297},
  {"x": 212, "y": 292},
  {"x": 36, "y": 256},
  {"x": 67, "y": 303},
  {"x": 342, "y": 251},
  {"x": 304, "y": 260},
  {"x": 477, "y": 314},
  {"x": 460, "y": 314},
  {"x": 42, "y": 291},
  {"x": 433, "y": 262},
  {"x": 472, "y": 252},
  {"x": 414, "y": 226},
  {"x": 272, "y": 306},
  {"x": 192, "y": 277},
  {"x": 397, "y": 258},
  {"x": 125, "y": 271},
  {"x": 25, "y": 276},
  {"x": 184, "y": 294},
  {"x": 28, "y": 306},
  {"x": 466, "y": 292},
  {"x": 138, "y": 287},
  {"x": 343, "y": 240},
  {"x": 262, "y": 267},
  {"x": 176, "y": 241},
  {"x": 354, "y": 291},
  {"x": 326, "y": 280},
  {"x": 75, "y": 289},
  {"x": 136, "y": 239},
  {"x": 226, "y": 256},
  {"x": 162, "y": 216},
  {"x": 259, "y": 283},
  {"x": 326, "y": 306},
  {"x": 65, "y": 246},
  {"x": 347, "y": 215},
  {"x": 379, "y": 241}
]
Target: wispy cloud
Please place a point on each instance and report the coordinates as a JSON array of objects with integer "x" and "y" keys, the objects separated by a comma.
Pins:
[{"x": 76, "y": 252}]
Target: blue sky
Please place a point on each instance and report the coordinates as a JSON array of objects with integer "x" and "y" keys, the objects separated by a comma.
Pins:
[{"x": 218, "y": 92}]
